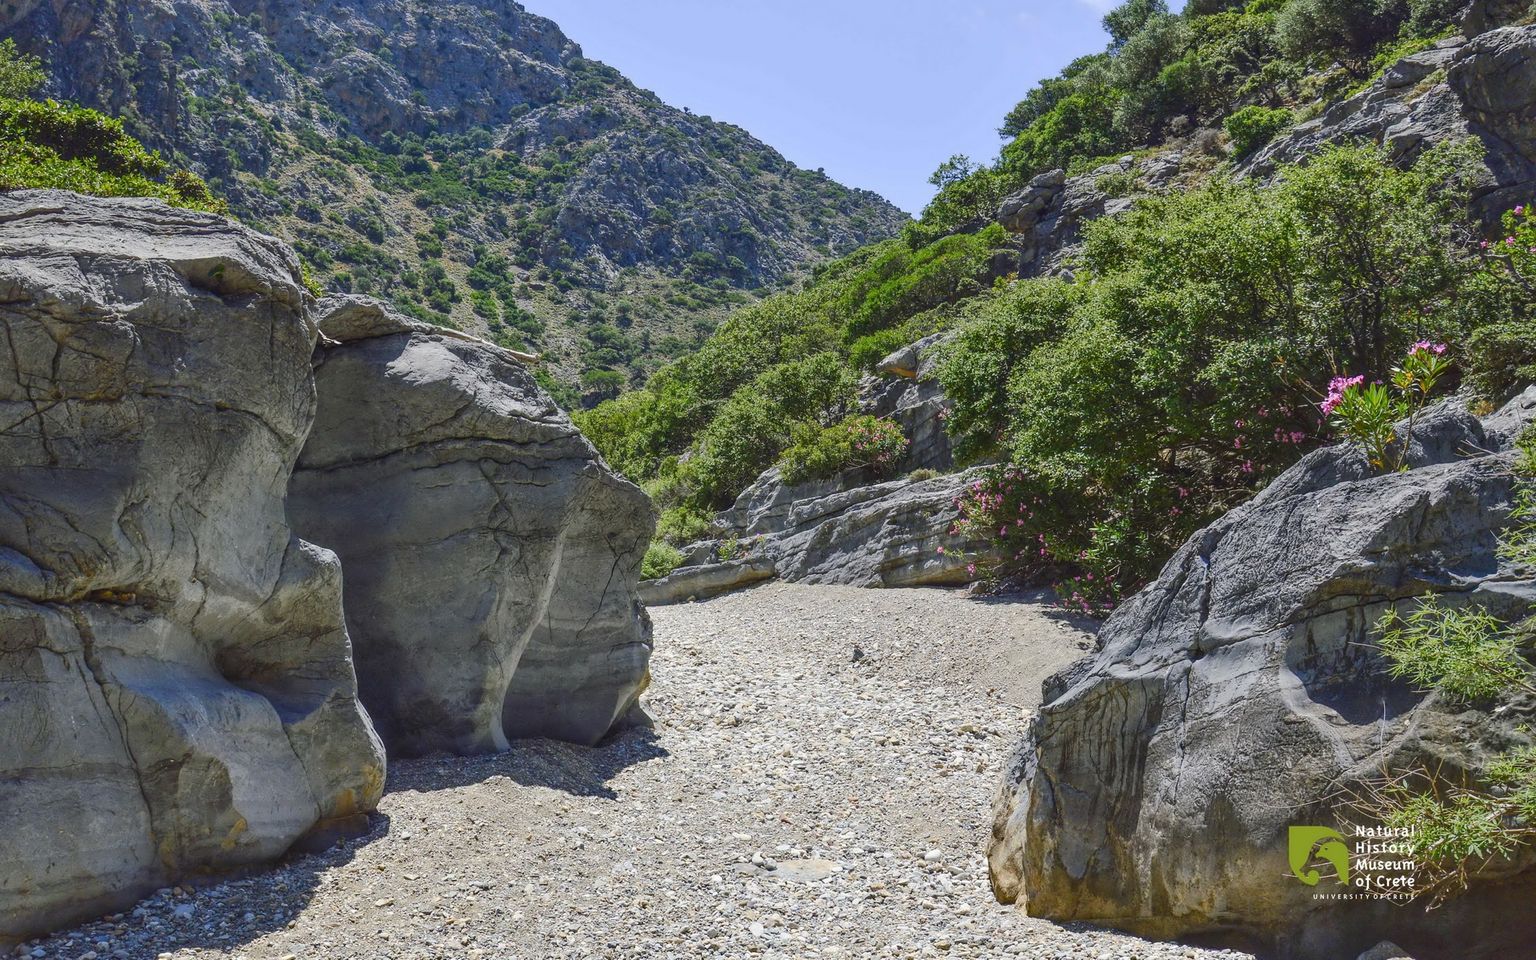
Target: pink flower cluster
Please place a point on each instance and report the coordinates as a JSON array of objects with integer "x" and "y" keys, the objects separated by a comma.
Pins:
[
  {"x": 1438, "y": 349},
  {"x": 1336, "y": 390},
  {"x": 883, "y": 442}
]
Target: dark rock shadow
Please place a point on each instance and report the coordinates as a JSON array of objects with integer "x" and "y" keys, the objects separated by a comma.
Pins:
[
  {"x": 579, "y": 771},
  {"x": 227, "y": 911},
  {"x": 213, "y": 912},
  {"x": 1046, "y": 600}
]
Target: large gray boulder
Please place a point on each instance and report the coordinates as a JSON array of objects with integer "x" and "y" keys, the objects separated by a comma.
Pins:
[
  {"x": 1243, "y": 693},
  {"x": 491, "y": 556},
  {"x": 176, "y": 688}
]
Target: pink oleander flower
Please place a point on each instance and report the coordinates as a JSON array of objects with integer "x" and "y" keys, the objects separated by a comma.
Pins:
[
  {"x": 1337, "y": 387},
  {"x": 941, "y": 551},
  {"x": 1435, "y": 348}
]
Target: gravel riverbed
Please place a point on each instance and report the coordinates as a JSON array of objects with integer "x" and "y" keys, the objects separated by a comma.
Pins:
[{"x": 817, "y": 784}]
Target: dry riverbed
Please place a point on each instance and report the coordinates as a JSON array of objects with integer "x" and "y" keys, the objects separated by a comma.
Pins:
[{"x": 817, "y": 784}]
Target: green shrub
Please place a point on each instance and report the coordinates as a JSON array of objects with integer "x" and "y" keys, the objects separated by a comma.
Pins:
[
  {"x": 1253, "y": 126},
  {"x": 1502, "y": 353},
  {"x": 62, "y": 146},
  {"x": 1183, "y": 367},
  {"x": 1464, "y": 651},
  {"x": 902, "y": 282},
  {"x": 861, "y": 441},
  {"x": 44, "y": 144},
  {"x": 683, "y": 525},
  {"x": 870, "y": 349},
  {"x": 661, "y": 559}
]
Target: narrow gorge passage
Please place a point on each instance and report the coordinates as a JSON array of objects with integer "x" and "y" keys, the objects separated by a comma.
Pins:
[{"x": 817, "y": 785}]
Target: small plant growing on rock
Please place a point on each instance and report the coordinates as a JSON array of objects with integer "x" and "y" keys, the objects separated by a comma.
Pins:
[
  {"x": 1460, "y": 827},
  {"x": 1465, "y": 651},
  {"x": 660, "y": 560},
  {"x": 1368, "y": 414},
  {"x": 1253, "y": 126}
]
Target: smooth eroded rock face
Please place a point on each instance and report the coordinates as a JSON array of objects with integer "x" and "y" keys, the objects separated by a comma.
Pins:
[
  {"x": 491, "y": 557},
  {"x": 842, "y": 530},
  {"x": 1243, "y": 693},
  {"x": 176, "y": 688}
]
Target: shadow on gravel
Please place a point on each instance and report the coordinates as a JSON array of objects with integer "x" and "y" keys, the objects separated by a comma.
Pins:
[
  {"x": 216, "y": 912},
  {"x": 1046, "y": 599},
  {"x": 224, "y": 912},
  {"x": 579, "y": 771}
]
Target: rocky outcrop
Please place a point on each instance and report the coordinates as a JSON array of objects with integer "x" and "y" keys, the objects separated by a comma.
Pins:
[
  {"x": 176, "y": 689},
  {"x": 1484, "y": 88},
  {"x": 491, "y": 556},
  {"x": 1242, "y": 693},
  {"x": 704, "y": 580},
  {"x": 842, "y": 531},
  {"x": 1047, "y": 216},
  {"x": 910, "y": 396}
]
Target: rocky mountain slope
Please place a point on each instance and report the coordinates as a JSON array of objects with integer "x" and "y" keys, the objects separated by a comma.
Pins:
[{"x": 463, "y": 159}]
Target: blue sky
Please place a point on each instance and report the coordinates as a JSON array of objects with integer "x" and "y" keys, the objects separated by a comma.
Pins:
[{"x": 878, "y": 92}]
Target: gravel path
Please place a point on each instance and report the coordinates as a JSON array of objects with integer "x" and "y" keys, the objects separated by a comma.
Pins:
[{"x": 817, "y": 785}]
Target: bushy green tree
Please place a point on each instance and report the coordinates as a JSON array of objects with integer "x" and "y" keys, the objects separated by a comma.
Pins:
[
  {"x": 1130, "y": 18},
  {"x": 1183, "y": 366},
  {"x": 20, "y": 75},
  {"x": 1348, "y": 30}
]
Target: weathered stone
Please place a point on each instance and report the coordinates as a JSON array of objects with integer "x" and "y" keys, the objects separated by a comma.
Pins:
[
  {"x": 490, "y": 555},
  {"x": 892, "y": 534},
  {"x": 1242, "y": 693},
  {"x": 176, "y": 689},
  {"x": 919, "y": 408},
  {"x": 764, "y": 506},
  {"x": 1486, "y": 89},
  {"x": 706, "y": 580},
  {"x": 907, "y": 361}
]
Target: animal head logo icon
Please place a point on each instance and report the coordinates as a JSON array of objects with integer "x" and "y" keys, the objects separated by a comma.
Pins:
[{"x": 1323, "y": 843}]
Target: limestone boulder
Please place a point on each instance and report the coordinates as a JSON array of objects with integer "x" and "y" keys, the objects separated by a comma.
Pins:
[
  {"x": 176, "y": 687},
  {"x": 844, "y": 530},
  {"x": 491, "y": 556},
  {"x": 1243, "y": 693}
]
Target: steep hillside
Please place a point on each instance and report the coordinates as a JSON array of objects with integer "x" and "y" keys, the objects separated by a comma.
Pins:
[
  {"x": 1139, "y": 308},
  {"x": 463, "y": 159}
]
